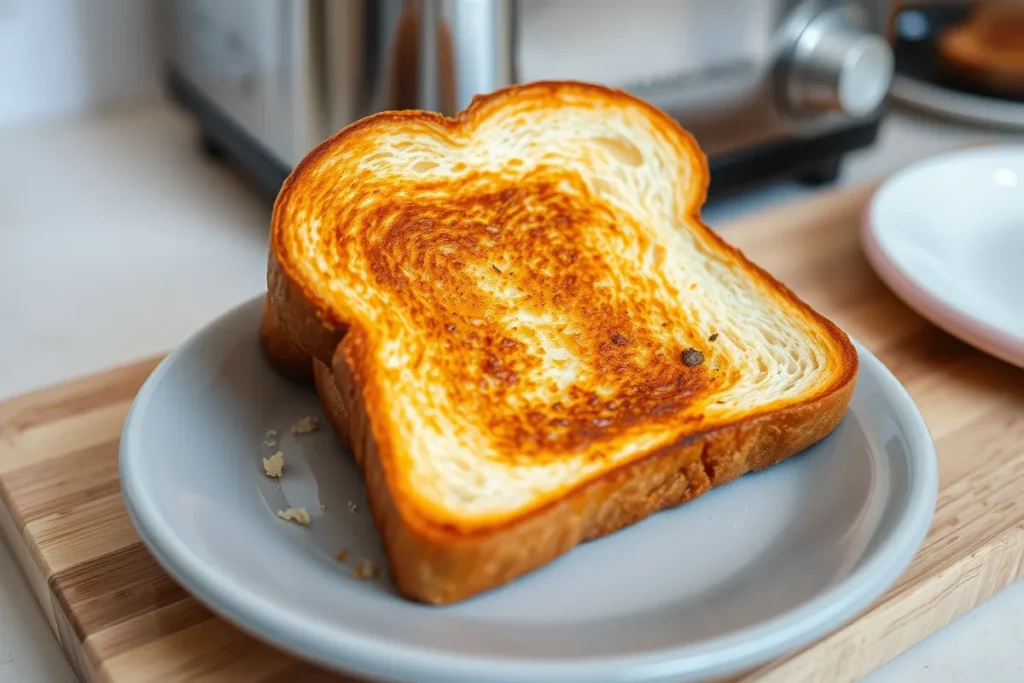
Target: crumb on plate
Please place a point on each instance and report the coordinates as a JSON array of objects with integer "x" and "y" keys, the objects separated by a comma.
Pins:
[
  {"x": 297, "y": 515},
  {"x": 364, "y": 570},
  {"x": 274, "y": 465},
  {"x": 270, "y": 438},
  {"x": 305, "y": 425},
  {"x": 341, "y": 556}
]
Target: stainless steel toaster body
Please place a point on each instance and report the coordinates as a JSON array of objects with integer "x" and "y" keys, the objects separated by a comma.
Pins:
[{"x": 737, "y": 73}]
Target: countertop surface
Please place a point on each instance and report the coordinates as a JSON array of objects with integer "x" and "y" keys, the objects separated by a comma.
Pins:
[{"x": 118, "y": 240}]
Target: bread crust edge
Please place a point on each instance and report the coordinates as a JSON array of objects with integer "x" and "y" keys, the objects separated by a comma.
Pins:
[
  {"x": 334, "y": 405},
  {"x": 284, "y": 356}
]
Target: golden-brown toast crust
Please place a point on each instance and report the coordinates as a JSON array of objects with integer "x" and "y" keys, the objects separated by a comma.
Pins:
[
  {"x": 284, "y": 356},
  {"x": 333, "y": 404},
  {"x": 441, "y": 563},
  {"x": 298, "y": 316}
]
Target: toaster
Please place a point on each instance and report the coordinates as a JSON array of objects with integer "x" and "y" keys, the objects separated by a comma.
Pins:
[{"x": 768, "y": 87}]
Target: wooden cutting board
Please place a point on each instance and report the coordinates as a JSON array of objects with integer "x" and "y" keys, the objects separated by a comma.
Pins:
[{"x": 120, "y": 618}]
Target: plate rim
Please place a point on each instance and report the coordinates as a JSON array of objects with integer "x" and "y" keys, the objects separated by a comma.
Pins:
[
  {"x": 953, "y": 319},
  {"x": 356, "y": 653},
  {"x": 955, "y": 105}
]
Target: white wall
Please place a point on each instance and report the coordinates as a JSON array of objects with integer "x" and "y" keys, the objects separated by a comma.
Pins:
[{"x": 65, "y": 57}]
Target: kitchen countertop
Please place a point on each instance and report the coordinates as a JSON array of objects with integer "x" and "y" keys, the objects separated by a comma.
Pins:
[{"x": 118, "y": 240}]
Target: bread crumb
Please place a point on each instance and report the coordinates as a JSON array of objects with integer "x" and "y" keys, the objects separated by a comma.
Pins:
[
  {"x": 270, "y": 438},
  {"x": 322, "y": 506},
  {"x": 364, "y": 570},
  {"x": 274, "y": 465},
  {"x": 305, "y": 425},
  {"x": 352, "y": 507},
  {"x": 297, "y": 515},
  {"x": 341, "y": 556}
]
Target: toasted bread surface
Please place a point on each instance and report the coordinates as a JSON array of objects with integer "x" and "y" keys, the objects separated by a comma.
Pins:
[
  {"x": 282, "y": 354},
  {"x": 535, "y": 338}
]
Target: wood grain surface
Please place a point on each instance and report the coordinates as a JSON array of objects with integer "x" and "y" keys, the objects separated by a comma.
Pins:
[{"x": 120, "y": 618}]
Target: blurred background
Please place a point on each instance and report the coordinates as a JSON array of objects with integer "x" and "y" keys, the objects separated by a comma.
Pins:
[{"x": 143, "y": 141}]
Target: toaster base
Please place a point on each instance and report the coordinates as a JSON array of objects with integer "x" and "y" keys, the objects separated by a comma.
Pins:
[
  {"x": 816, "y": 160},
  {"x": 222, "y": 138}
]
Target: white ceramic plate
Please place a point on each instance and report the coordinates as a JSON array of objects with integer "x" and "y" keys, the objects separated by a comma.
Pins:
[
  {"x": 747, "y": 572},
  {"x": 947, "y": 236}
]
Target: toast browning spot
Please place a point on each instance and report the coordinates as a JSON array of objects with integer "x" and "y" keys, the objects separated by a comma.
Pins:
[{"x": 692, "y": 357}]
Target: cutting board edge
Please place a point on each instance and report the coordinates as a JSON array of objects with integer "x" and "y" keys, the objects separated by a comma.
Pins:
[
  {"x": 74, "y": 383},
  {"x": 13, "y": 535}
]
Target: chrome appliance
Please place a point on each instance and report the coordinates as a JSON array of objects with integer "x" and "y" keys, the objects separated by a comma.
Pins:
[{"x": 768, "y": 87}]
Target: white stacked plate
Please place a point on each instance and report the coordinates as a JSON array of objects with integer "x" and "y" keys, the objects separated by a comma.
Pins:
[{"x": 947, "y": 236}]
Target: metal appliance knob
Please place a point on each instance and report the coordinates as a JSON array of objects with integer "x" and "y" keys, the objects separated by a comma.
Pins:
[{"x": 836, "y": 66}]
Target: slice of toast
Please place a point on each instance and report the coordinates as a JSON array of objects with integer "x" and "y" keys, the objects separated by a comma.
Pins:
[
  {"x": 283, "y": 355},
  {"x": 536, "y": 340}
]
